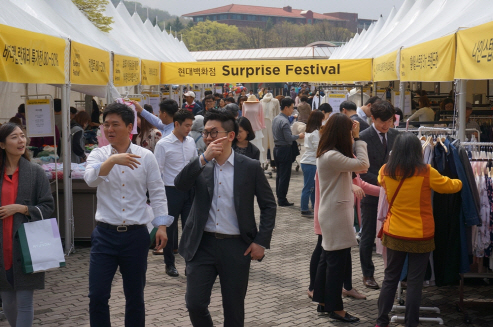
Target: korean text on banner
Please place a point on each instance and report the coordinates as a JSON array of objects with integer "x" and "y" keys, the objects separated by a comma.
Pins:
[
  {"x": 265, "y": 71},
  {"x": 126, "y": 70},
  {"x": 30, "y": 57},
  {"x": 385, "y": 67},
  {"x": 150, "y": 72},
  {"x": 431, "y": 61},
  {"x": 475, "y": 53},
  {"x": 89, "y": 65}
]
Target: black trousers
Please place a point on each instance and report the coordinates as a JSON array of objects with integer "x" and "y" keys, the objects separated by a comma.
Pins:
[
  {"x": 179, "y": 205},
  {"x": 223, "y": 257},
  {"x": 318, "y": 269},
  {"x": 338, "y": 268},
  {"x": 415, "y": 277},
  {"x": 111, "y": 249},
  {"x": 284, "y": 164},
  {"x": 368, "y": 234}
]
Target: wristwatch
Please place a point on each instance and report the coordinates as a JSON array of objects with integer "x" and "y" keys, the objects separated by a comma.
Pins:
[{"x": 356, "y": 139}]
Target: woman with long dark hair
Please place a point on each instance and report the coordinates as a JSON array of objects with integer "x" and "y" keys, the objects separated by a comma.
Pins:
[
  {"x": 25, "y": 197},
  {"x": 309, "y": 161},
  {"x": 409, "y": 228},
  {"x": 335, "y": 165}
]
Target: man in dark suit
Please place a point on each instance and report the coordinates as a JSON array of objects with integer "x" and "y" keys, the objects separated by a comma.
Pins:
[
  {"x": 379, "y": 138},
  {"x": 349, "y": 109},
  {"x": 220, "y": 236}
]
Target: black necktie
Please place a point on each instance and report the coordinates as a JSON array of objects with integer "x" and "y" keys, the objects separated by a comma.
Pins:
[{"x": 384, "y": 142}]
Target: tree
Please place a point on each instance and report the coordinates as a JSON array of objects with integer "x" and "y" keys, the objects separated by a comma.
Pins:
[
  {"x": 209, "y": 35},
  {"x": 94, "y": 11}
]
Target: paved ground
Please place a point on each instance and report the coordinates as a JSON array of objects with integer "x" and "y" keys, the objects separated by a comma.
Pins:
[{"x": 276, "y": 294}]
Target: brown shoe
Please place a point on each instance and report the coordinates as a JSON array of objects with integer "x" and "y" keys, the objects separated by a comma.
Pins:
[
  {"x": 354, "y": 294},
  {"x": 370, "y": 283}
]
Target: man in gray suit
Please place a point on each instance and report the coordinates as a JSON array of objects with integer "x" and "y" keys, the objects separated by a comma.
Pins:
[
  {"x": 379, "y": 138},
  {"x": 220, "y": 236}
]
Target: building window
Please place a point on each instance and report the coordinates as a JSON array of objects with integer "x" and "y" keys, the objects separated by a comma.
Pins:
[
  {"x": 264, "y": 18},
  {"x": 251, "y": 17},
  {"x": 223, "y": 17},
  {"x": 236, "y": 16},
  {"x": 309, "y": 21},
  {"x": 199, "y": 19}
]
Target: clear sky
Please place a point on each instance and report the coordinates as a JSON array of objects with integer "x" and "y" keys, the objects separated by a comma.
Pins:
[{"x": 370, "y": 9}]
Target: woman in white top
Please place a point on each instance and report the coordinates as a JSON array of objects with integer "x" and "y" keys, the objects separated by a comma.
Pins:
[
  {"x": 425, "y": 113},
  {"x": 309, "y": 161}
]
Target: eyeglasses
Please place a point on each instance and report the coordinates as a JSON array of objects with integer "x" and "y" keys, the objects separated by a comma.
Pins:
[{"x": 213, "y": 134}]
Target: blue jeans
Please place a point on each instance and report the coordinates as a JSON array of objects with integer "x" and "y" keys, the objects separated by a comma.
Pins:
[
  {"x": 112, "y": 250},
  {"x": 308, "y": 192}
]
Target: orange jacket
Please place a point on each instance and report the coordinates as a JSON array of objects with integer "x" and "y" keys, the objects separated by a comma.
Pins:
[{"x": 411, "y": 215}]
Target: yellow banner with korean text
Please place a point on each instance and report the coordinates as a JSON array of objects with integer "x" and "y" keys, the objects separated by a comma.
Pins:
[
  {"x": 151, "y": 72},
  {"x": 29, "y": 57},
  {"x": 475, "y": 53},
  {"x": 431, "y": 61},
  {"x": 88, "y": 65},
  {"x": 126, "y": 70},
  {"x": 385, "y": 67},
  {"x": 266, "y": 71}
]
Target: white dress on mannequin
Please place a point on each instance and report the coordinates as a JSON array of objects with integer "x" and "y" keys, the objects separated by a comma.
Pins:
[
  {"x": 252, "y": 110},
  {"x": 271, "y": 108}
]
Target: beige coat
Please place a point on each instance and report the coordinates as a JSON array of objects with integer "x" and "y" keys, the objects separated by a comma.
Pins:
[{"x": 336, "y": 210}]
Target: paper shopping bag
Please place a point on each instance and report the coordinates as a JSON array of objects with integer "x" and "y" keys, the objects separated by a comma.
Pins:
[{"x": 41, "y": 246}]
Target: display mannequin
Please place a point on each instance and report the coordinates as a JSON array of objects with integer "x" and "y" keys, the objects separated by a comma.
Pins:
[
  {"x": 271, "y": 108},
  {"x": 355, "y": 96},
  {"x": 252, "y": 110}
]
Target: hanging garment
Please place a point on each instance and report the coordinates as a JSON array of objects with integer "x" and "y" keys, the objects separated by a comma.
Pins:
[
  {"x": 271, "y": 109},
  {"x": 316, "y": 102}
]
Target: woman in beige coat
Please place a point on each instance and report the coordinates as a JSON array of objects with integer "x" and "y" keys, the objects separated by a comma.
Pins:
[{"x": 335, "y": 165}]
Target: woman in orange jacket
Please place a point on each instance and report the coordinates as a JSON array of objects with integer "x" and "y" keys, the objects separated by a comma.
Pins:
[{"x": 409, "y": 228}]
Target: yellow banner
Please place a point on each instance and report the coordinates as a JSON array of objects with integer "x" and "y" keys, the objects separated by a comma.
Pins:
[
  {"x": 266, "y": 71},
  {"x": 150, "y": 72},
  {"x": 88, "y": 65},
  {"x": 475, "y": 53},
  {"x": 126, "y": 70},
  {"x": 385, "y": 67},
  {"x": 29, "y": 57},
  {"x": 431, "y": 61}
]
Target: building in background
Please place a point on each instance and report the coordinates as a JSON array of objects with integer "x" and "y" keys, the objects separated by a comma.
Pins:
[{"x": 243, "y": 16}]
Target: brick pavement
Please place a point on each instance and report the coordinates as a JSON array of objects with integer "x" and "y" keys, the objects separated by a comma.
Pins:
[{"x": 276, "y": 293}]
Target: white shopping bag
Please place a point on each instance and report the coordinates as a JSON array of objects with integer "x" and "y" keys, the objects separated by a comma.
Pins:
[{"x": 41, "y": 246}]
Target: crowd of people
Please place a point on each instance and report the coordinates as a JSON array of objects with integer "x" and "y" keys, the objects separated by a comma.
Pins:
[{"x": 190, "y": 164}]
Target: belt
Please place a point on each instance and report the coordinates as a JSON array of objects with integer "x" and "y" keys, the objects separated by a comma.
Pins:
[
  {"x": 282, "y": 146},
  {"x": 221, "y": 236},
  {"x": 120, "y": 228}
]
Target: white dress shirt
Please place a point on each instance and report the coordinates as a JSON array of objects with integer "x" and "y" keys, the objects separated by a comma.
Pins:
[
  {"x": 172, "y": 156},
  {"x": 222, "y": 215},
  {"x": 361, "y": 113},
  {"x": 378, "y": 133},
  {"x": 156, "y": 121},
  {"x": 122, "y": 194}
]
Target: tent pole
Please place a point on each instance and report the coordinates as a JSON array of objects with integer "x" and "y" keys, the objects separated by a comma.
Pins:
[
  {"x": 462, "y": 109},
  {"x": 375, "y": 86},
  {"x": 402, "y": 91},
  {"x": 67, "y": 178}
]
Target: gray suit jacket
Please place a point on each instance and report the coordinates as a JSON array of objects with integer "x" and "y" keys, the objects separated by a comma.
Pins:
[
  {"x": 249, "y": 181},
  {"x": 377, "y": 155},
  {"x": 33, "y": 191}
]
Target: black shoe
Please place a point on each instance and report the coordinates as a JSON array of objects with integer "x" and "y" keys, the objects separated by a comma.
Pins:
[
  {"x": 346, "y": 318},
  {"x": 321, "y": 310},
  {"x": 171, "y": 271},
  {"x": 307, "y": 214},
  {"x": 285, "y": 204}
]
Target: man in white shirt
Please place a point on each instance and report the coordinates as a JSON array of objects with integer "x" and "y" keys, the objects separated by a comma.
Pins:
[
  {"x": 167, "y": 109},
  {"x": 365, "y": 111},
  {"x": 172, "y": 154},
  {"x": 221, "y": 236},
  {"x": 123, "y": 172}
]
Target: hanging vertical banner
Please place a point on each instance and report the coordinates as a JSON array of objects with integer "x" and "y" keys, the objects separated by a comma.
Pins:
[
  {"x": 335, "y": 101},
  {"x": 385, "y": 67},
  {"x": 431, "y": 61},
  {"x": 150, "y": 72},
  {"x": 154, "y": 100},
  {"x": 29, "y": 57},
  {"x": 475, "y": 53},
  {"x": 265, "y": 71},
  {"x": 126, "y": 70},
  {"x": 88, "y": 65},
  {"x": 40, "y": 120}
]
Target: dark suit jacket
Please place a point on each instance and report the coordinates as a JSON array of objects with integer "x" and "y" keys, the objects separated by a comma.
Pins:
[
  {"x": 363, "y": 125},
  {"x": 377, "y": 155},
  {"x": 249, "y": 181},
  {"x": 252, "y": 151}
]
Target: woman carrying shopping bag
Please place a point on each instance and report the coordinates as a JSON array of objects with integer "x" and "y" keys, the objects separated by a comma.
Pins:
[{"x": 25, "y": 196}]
